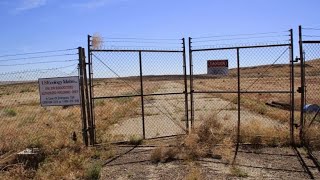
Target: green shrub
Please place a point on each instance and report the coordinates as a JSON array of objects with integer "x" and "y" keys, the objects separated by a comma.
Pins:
[
  {"x": 99, "y": 102},
  {"x": 235, "y": 171},
  {"x": 93, "y": 172},
  {"x": 10, "y": 112},
  {"x": 25, "y": 90},
  {"x": 135, "y": 140}
]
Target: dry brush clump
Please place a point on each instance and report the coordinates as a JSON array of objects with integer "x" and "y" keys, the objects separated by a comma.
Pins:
[
  {"x": 164, "y": 154},
  {"x": 210, "y": 139},
  {"x": 97, "y": 41},
  {"x": 311, "y": 136}
]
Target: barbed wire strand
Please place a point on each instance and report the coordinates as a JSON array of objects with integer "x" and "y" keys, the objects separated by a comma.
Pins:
[
  {"x": 36, "y": 57},
  {"x": 315, "y": 29},
  {"x": 311, "y": 35},
  {"x": 234, "y": 35},
  {"x": 242, "y": 38},
  {"x": 40, "y": 52},
  {"x": 243, "y": 44},
  {"x": 37, "y": 70},
  {"x": 43, "y": 62},
  {"x": 144, "y": 39},
  {"x": 139, "y": 42}
]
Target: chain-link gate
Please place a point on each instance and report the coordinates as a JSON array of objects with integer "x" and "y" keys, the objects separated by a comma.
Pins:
[
  {"x": 251, "y": 95},
  {"x": 135, "y": 92},
  {"x": 310, "y": 90}
]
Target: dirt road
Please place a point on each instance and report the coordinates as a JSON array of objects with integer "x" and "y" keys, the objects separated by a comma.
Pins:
[{"x": 165, "y": 115}]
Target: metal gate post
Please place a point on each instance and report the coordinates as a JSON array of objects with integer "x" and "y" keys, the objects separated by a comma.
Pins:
[
  {"x": 239, "y": 105},
  {"x": 185, "y": 85},
  {"x": 292, "y": 89},
  {"x": 91, "y": 101},
  {"x": 303, "y": 86},
  {"x": 142, "y": 96},
  {"x": 191, "y": 84}
]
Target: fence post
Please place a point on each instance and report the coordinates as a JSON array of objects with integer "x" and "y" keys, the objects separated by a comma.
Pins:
[
  {"x": 185, "y": 84},
  {"x": 239, "y": 105},
  {"x": 303, "y": 86},
  {"x": 142, "y": 96},
  {"x": 191, "y": 84},
  {"x": 292, "y": 89},
  {"x": 90, "y": 98},
  {"x": 83, "y": 102}
]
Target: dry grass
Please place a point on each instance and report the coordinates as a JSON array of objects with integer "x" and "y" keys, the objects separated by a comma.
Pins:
[
  {"x": 258, "y": 134},
  {"x": 236, "y": 171},
  {"x": 24, "y": 123},
  {"x": 312, "y": 133},
  {"x": 194, "y": 173}
]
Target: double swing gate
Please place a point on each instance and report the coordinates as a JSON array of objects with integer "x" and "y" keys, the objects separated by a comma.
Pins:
[{"x": 265, "y": 95}]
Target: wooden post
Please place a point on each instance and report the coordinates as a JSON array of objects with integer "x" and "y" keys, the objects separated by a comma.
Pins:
[{"x": 83, "y": 102}]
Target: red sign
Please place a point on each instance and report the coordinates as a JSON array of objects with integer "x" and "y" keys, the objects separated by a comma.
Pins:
[{"x": 217, "y": 63}]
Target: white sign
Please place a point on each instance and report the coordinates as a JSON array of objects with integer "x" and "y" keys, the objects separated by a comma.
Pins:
[
  {"x": 217, "y": 67},
  {"x": 60, "y": 91}
]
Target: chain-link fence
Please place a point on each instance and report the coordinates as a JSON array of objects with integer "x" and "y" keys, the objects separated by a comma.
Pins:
[
  {"x": 138, "y": 92},
  {"x": 310, "y": 56},
  {"x": 246, "y": 89},
  {"x": 24, "y": 123}
]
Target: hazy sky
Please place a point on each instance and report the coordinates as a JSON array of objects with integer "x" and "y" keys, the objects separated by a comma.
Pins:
[
  {"x": 40, "y": 25},
  {"x": 32, "y": 25}
]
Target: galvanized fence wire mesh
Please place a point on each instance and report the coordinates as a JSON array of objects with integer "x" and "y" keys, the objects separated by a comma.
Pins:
[
  {"x": 138, "y": 92},
  {"x": 24, "y": 122},
  {"x": 252, "y": 102},
  {"x": 311, "y": 56}
]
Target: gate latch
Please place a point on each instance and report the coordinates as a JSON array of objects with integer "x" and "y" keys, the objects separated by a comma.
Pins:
[
  {"x": 296, "y": 59},
  {"x": 300, "y": 89}
]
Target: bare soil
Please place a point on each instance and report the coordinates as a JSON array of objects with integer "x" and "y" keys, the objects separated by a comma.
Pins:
[{"x": 264, "y": 163}]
